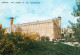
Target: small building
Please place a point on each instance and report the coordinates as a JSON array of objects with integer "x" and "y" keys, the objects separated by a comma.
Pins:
[{"x": 67, "y": 32}]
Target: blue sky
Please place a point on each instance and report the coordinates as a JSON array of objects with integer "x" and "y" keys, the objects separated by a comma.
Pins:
[{"x": 47, "y": 9}]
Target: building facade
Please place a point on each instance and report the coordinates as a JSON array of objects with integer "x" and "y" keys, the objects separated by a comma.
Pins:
[
  {"x": 67, "y": 32},
  {"x": 50, "y": 27}
]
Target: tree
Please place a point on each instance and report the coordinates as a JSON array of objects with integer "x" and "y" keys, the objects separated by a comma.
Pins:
[
  {"x": 76, "y": 29},
  {"x": 76, "y": 10},
  {"x": 47, "y": 38},
  {"x": 2, "y": 31},
  {"x": 43, "y": 38},
  {"x": 0, "y": 26},
  {"x": 76, "y": 26},
  {"x": 62, "y": 35}
]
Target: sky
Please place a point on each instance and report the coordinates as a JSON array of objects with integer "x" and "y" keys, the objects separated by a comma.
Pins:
[{"x": 45, "y": 9}]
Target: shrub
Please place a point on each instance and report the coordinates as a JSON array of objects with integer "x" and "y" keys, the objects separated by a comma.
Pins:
[
  {"x": 0, "y": 26},
  {"x": 16, "y": 42},
  {"x": 43, "y": 38},
  {"x": 47, "y": 38}
]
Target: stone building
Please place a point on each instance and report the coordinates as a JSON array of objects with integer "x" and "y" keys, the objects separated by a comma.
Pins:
[
  {"x": 66, "y": 32},
  {"x": 50, "y": 27}
]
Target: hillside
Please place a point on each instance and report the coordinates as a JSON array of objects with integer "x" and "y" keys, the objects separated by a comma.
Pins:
[{"x": 49, "y": 48}]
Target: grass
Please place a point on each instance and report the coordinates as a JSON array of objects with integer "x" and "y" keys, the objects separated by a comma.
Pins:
[{"x": 49, "y": 48}]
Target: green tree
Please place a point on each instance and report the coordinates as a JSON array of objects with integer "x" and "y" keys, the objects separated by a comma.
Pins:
[
  {"x": 62, "y": 35},
  {"x": 76, "y": 26},
  {"x": 47, "y": 38},
  {"x": 0, "y": 26},
  {"x": 2, "y": 31},
  {"x": 76, "y": 9},
  {"x": 43, "y": 38}
]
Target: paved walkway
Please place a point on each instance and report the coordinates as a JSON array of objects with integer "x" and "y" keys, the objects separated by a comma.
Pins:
[{"x": 72, "y": 43}]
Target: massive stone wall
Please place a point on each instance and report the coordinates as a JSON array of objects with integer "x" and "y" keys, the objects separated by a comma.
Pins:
[{"x": 48, "y": 28}]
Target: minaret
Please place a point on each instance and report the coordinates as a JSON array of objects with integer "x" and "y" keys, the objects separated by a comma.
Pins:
[
  {"x": 59, "y": 18},
  {"x": 11, "y": 23}
]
